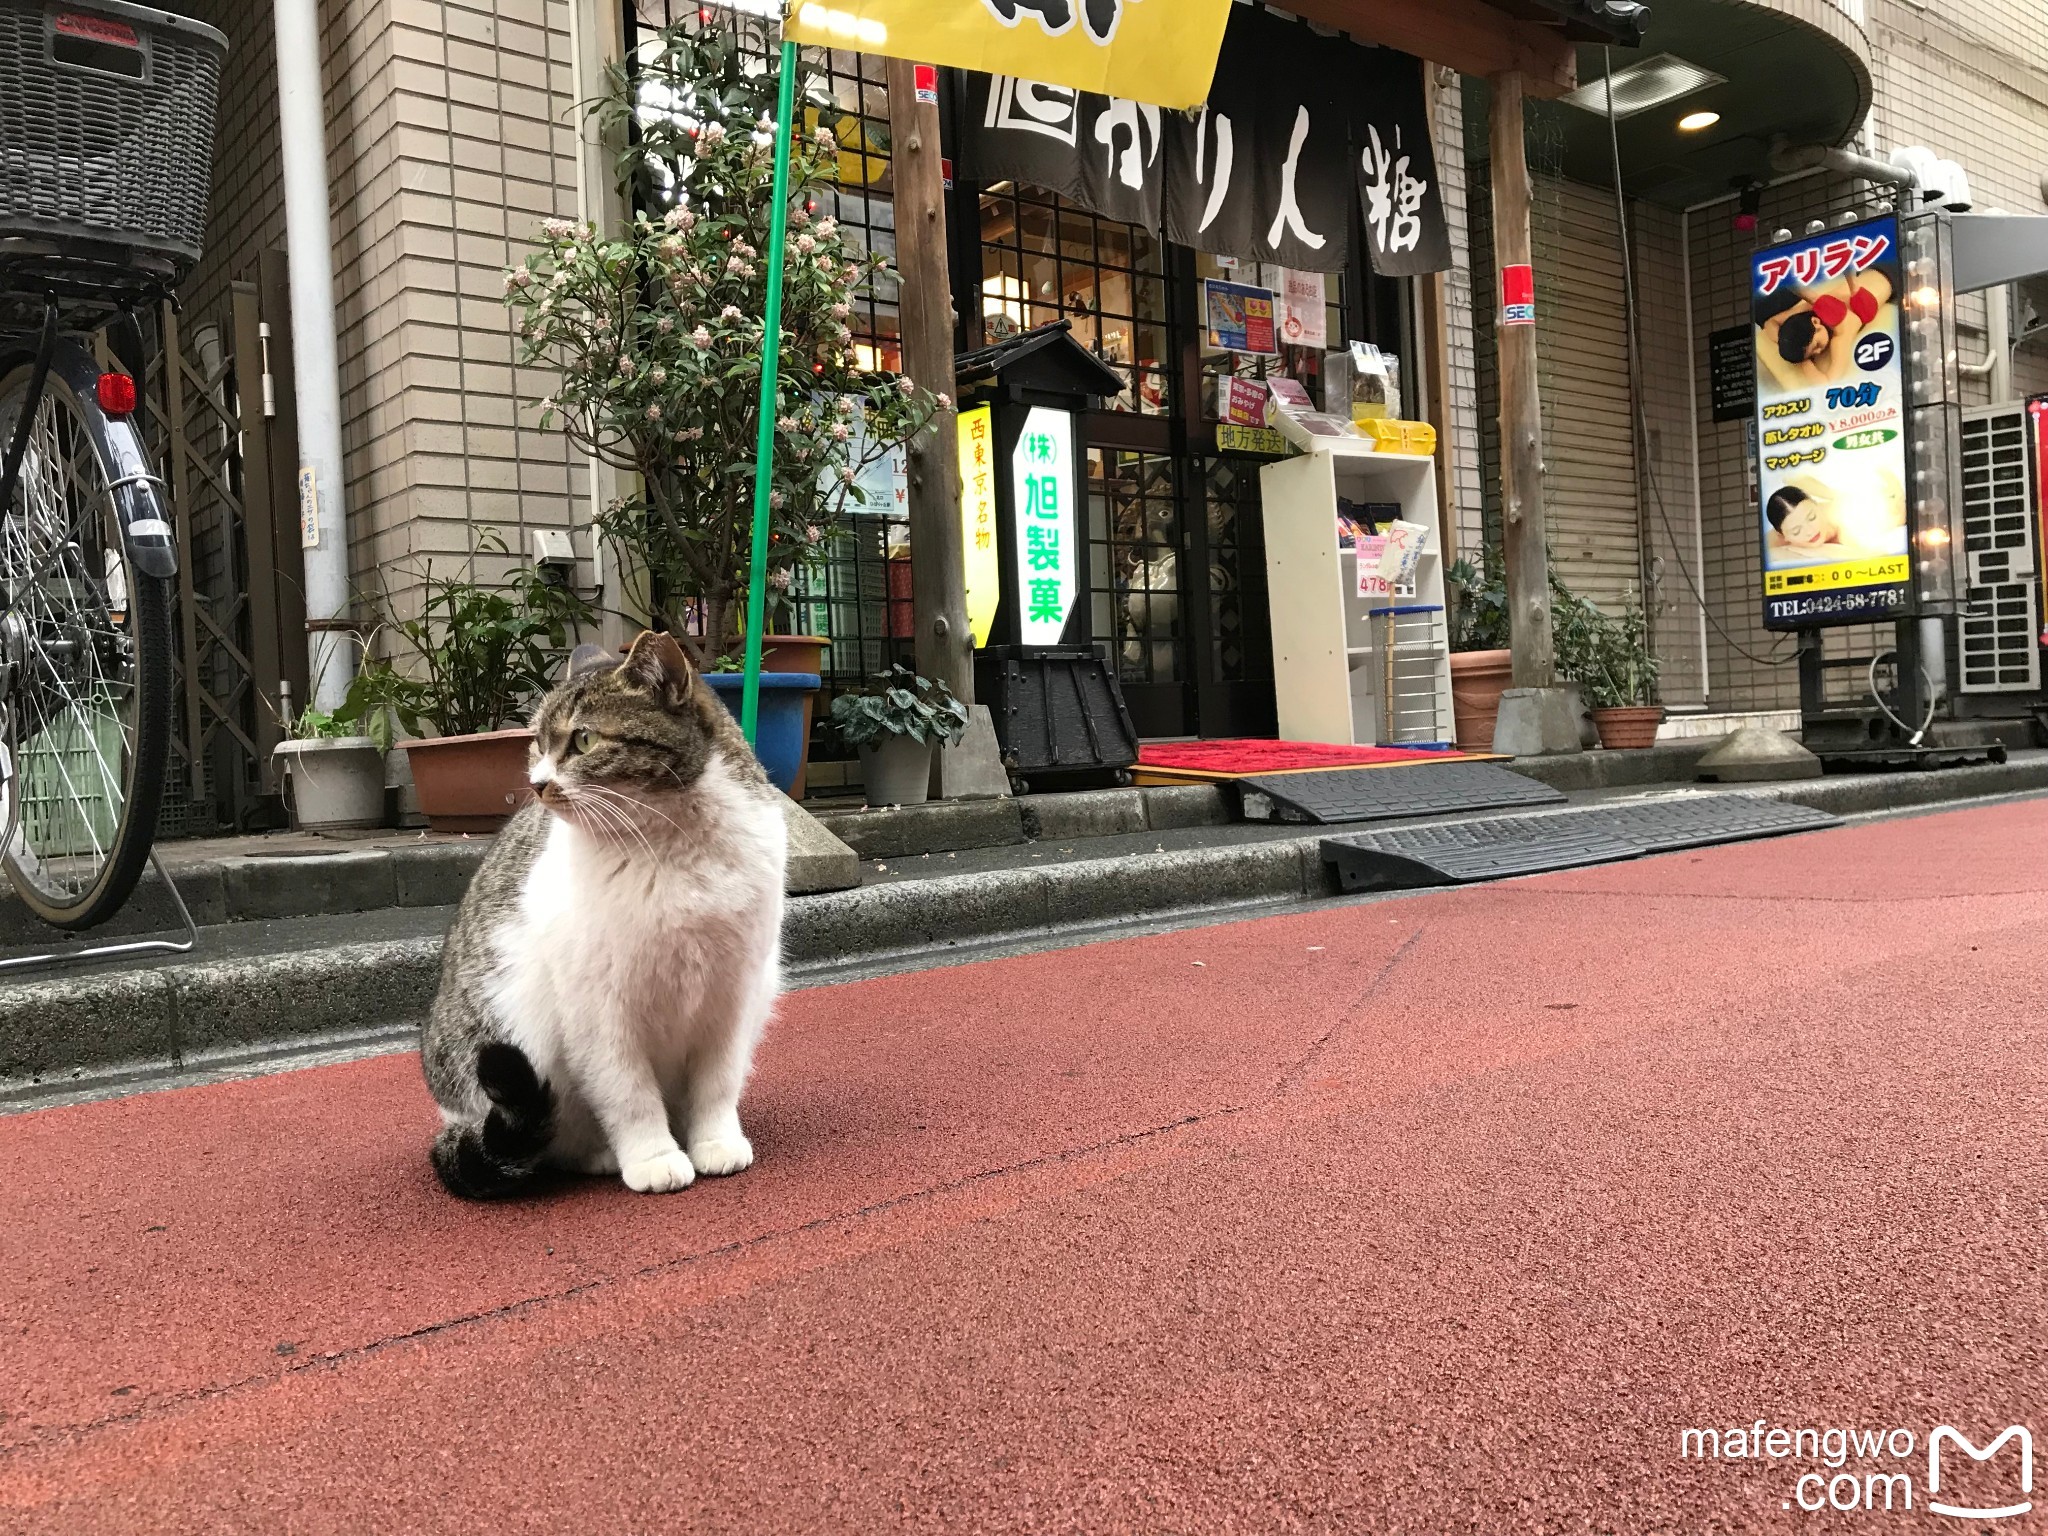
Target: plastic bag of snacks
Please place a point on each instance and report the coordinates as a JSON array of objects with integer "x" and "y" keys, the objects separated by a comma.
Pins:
[{"x": 1362, "y": 383}]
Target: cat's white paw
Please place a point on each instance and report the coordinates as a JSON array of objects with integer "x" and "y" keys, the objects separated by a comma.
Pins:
[
  {"x": 721, "y": 1155},
  {"x": 659, "y": 1175}
]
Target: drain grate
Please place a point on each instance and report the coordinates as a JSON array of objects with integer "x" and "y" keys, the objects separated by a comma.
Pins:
[
  {"x": 1402, "y": 858},
  {"x": 1389, "y": 794}
]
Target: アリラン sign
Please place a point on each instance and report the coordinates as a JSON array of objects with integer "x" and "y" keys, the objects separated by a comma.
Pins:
[{"x": 1831, "y": 428}]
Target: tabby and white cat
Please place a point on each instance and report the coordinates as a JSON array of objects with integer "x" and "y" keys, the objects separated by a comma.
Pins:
[{"x": 615, "y": 961}]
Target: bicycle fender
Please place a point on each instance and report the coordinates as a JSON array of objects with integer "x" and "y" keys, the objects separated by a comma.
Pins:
[{"x": 145, "y": 520}]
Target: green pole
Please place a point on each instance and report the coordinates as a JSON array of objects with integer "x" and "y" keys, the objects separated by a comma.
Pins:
[{"x": 771, "y": 370}]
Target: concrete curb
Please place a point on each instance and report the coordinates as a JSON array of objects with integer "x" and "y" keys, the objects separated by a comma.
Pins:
[{"x": 178, "y": 1016}]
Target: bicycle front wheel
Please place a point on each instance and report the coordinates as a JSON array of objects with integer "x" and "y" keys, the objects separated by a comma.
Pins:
[{"x": 85, "y": 658}]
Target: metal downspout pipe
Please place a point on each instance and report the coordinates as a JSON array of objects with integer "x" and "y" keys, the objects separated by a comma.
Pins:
[{"x": 309, "y": 242}]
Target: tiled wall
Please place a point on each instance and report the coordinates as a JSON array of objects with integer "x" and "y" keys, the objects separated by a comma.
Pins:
[
  {"x": 448, "y": 143},
  {"x": 448, "y": 121}
]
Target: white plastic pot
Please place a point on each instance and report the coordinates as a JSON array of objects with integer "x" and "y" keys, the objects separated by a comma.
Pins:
[
  {"x": 897, "y": 771},
  {"x": 336, "y": 784}
]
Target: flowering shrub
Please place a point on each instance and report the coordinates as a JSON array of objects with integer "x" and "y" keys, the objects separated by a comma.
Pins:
[{"x": 658, "y": 338}]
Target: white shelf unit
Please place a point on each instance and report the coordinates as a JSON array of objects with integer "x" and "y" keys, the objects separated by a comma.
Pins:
[{"x": 1346, "y": 670}]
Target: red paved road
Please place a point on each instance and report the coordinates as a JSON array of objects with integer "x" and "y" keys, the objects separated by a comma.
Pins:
[{"x": 1438, "y": 1214}]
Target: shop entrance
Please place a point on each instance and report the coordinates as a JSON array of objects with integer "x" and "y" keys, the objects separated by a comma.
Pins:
[{"x": 1177, "y": 557}]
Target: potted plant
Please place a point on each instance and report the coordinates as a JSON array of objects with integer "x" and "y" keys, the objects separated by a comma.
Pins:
[
  {"x": 473, "y": 660},
  {"x": 1576, "y": 629},
  {"x": 896, "y": 722},
  {"x": 656, "y": 337},
  {"x": 335, "y": 776},
  {"x": 1621, "y": 683},
  {"x": 1482, "y": 666}
]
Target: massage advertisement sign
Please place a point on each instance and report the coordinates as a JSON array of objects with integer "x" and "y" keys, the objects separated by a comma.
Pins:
[{"x": 1831, "y": 428}]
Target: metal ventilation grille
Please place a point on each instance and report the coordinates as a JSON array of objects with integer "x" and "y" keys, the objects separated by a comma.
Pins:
[
  {"x": 88, "y": 153},
  {"x": 1642, "y": 86},
  {"x": 1999, "y": 634}
]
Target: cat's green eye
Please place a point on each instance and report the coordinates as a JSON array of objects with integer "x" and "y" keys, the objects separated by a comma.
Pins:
[{"x": 583, "y": 741}]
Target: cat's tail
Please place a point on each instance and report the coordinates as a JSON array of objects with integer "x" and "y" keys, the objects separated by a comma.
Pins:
[{"x": 499, "y": 1155}]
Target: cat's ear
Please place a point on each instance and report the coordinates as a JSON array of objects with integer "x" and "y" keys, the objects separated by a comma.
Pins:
[
  {"x": 586, "y": 659},
  {"x": 657, "y": 665}
]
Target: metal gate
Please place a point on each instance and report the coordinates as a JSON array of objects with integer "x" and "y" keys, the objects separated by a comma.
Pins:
[{"x": 216, "y": 415}]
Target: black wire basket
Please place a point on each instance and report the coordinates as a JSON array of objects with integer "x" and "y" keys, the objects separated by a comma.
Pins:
[{"x": 106, "y": 148}]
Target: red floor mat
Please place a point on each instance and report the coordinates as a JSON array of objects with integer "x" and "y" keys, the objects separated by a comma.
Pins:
[{"x": 1245, "y": 757}]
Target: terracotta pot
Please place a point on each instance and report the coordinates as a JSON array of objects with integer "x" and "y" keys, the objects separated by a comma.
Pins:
[
  {"x": 471, "y": 783},
  {"x": 1630, "y": 726},
  {"x": 793, "y": 653},
  {"x": 1478, "y": 679},
  {"x": 797, "y": 653}
]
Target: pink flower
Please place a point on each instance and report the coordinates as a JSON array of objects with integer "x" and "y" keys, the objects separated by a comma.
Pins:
[
  {"x": 905, "y": 388},
  {"x": 945, "y": 402},
  {"x": 557, "y": 229},
  {"x": 775, "y": 500},
  {"x": 701, "y": 336},
  {"x": 680, "y": 218},
  {"x": 826, "y": 228},
  {"x": 841, "y": 311},
  {"x": 625, "y": 367},
  {"x": 731, "y": 312},
  {"x": 654, "y": 413},
  {"x": 814, "y": 534},
  {"x": 839, "y": 432},
  {"x": 780, "y": 580},
  {"x": 846, "y": 474}
]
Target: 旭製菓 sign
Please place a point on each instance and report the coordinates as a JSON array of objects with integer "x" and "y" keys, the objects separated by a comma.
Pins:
[
  {"x": 1046, "y": 529},
  {"x": 1157, "y": 51},
  {"x": 1831, "y": 428}
]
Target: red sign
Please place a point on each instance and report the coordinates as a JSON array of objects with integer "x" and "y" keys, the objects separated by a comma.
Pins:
[
  {"x": 97, "y": 29},
  {"x": 1518, "y": 295},
  {"x": 926, "y": 77}
]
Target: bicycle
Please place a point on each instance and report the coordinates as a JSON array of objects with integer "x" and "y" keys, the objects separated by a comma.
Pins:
[{"x": 106, "y": 128}]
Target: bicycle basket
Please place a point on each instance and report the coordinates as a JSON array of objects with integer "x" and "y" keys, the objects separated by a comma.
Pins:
[{"x": 106, "y": 145}]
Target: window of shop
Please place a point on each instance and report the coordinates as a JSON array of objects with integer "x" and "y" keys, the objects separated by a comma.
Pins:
[{"x": 858, "y": 592}]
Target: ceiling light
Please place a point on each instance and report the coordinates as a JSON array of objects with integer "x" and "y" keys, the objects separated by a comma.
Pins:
[
  {"x": 1640, "y": 87},
  {"x": 1698, "y": 122}
]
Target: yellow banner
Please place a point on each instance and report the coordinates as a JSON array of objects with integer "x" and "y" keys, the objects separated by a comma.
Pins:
[{"x": 1162, "y": 52}]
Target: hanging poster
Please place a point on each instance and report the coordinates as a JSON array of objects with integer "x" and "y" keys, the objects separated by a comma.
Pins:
[
  {"x": 1105, "y": 154},
  {"x": 1301, "y": 136},
  {"x": 1161, "y": 51},
  {"x": 1237, "y": 317},
  {"x": 1304, "y": 316},
  {"x": 1398, "y": 192},
  {"x": 1831, "y": 428}
]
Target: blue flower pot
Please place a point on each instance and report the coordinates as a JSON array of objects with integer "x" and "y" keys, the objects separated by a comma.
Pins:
[{"x": 781, "y": 741}]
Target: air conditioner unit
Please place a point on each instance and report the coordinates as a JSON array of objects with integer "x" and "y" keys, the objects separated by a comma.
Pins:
[{"x": 1998, "y": 632}]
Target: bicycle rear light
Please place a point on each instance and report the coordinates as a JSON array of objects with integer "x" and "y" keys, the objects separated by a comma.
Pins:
[{"x": 117, "y": 394}]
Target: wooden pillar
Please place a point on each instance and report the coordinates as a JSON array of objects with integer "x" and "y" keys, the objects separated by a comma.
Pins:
[
  {"x": 944, "y": 645},
  {"x": 1521, "y": 405}
]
